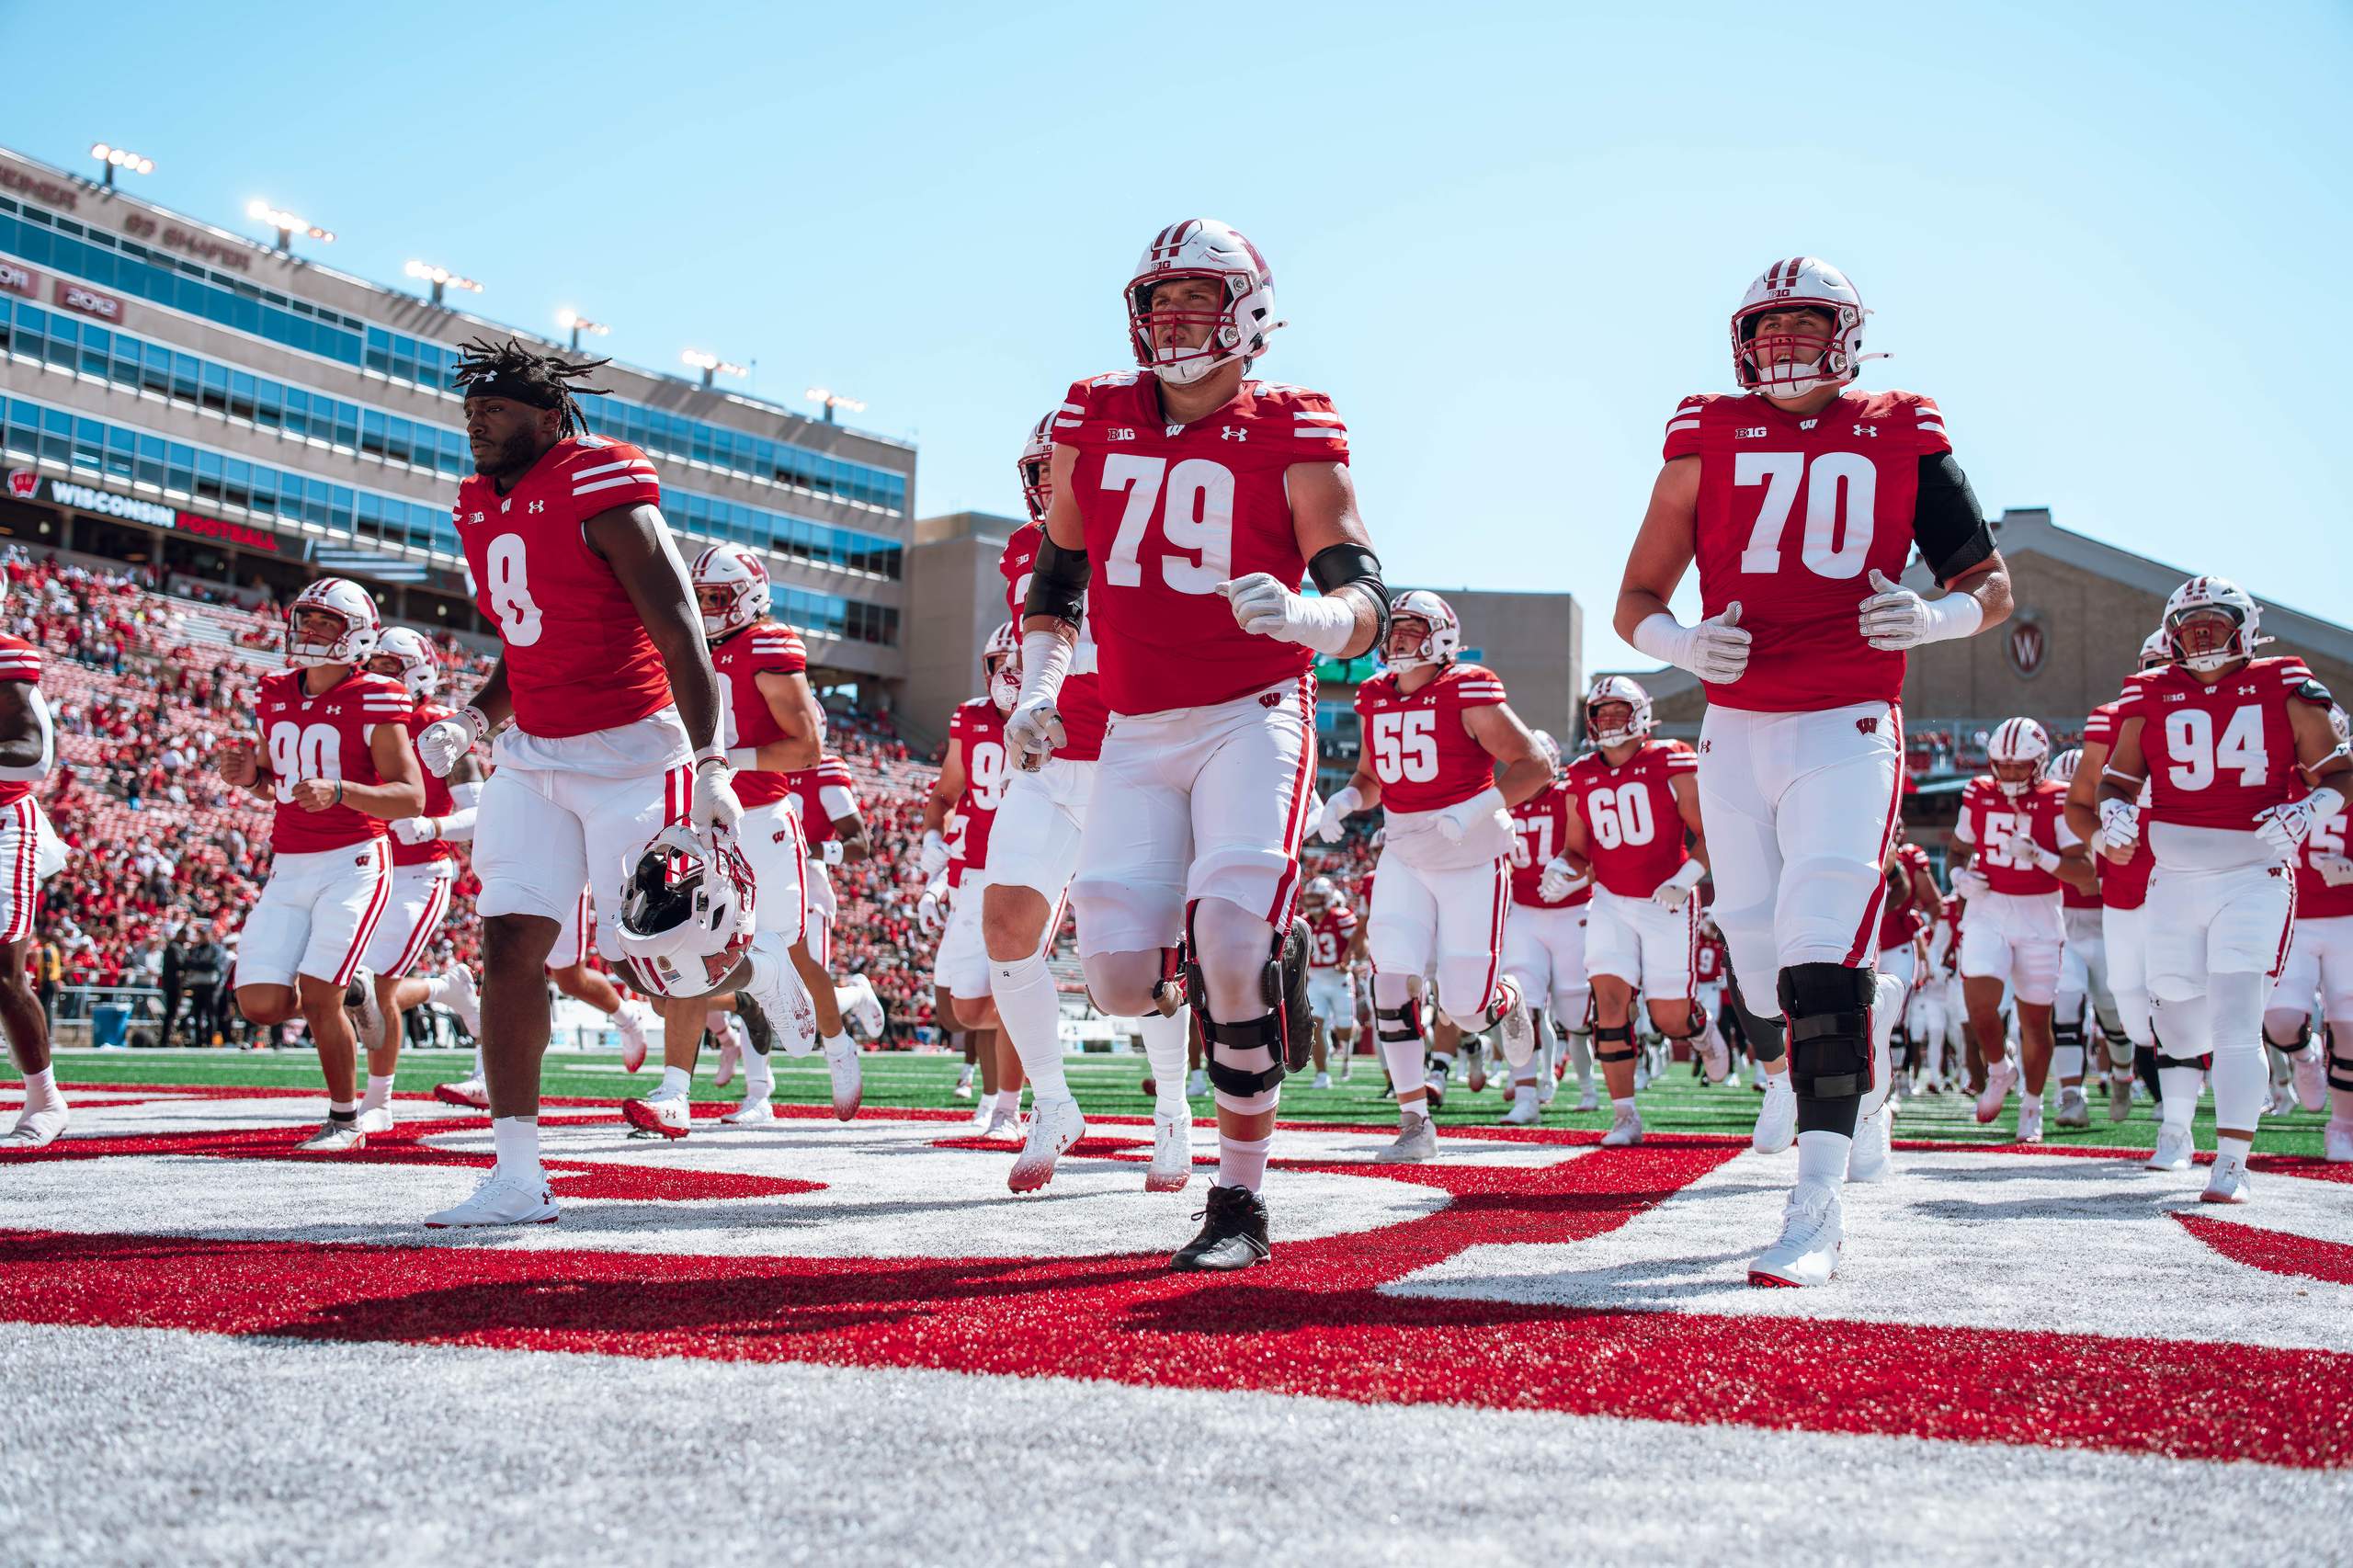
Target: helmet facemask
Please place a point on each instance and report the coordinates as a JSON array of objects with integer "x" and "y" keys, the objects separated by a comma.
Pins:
[
  {"x": 2208, "y": 637},
  {"x": 1610, "y": 723},
  {"x": 2016, "y": 779},
  {"x": 1004, "y": 680},
  {"x": 1789, "y": 364}
]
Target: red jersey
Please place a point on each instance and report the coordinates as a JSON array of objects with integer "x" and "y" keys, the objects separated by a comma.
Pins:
[
  {"x": 1900, "y": 919},
  {"x": 1173, "y": 510},
  {"x": 437, "y": 799},
  {"x": 979, "y": 728},
  {"x": 1539, "y": 826},
  {"x": 2125, "y": 886},
  {"x": 819, "y": 794},
  {"x": 2218, "y": 754},
  {"x": 1419, "y": 748},
  {"x": 20, "y": 660},
  {"x": 1986, "y": 813},
  {"x": 577, "y": 656},
  {"x": 1085, "y": 712},
  {"x": 1793, "y": 515},
  {"x": 1633, "y": 829},
  {"x": 765, "y": 647},
  {"x": 1328, "y": 935},
  {"x": 2323, "y": 872},
  {"x": 1707, "y": 965},
  {"x": 324, "y": 738}
]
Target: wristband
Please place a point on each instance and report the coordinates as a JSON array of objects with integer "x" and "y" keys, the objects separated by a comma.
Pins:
[
  {"x": 1688, "y": 875},
  {"x": 1955, "y": 615},
  {"x": 338, "y": 792},
  {"x": 709, "y": 755},
  {"x": 743, "y": 759},
  {"x": 474, "y": 718}
]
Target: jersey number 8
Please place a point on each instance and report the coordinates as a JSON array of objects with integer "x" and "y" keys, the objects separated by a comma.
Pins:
[{"x": 510, "y": 592}]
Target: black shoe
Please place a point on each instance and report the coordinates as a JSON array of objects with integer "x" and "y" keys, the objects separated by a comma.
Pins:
[
  {"x": 756, "y": 1023},
  {"x": 1299, "y": 1018},
  {"x": 1235, "y": 1235}
]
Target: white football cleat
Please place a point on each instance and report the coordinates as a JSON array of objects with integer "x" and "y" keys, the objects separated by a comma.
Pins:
[
  {"x": 1625, "y": 1128},
  {"x": 861, "y": 1009},
  {"x": 731, "y": 1056},
  {"x": 850, "y": 1077},
  {"x": 470, "y": 1092},
  {"x": 983, "y": 1113},
  {"x": 1003, "y": 1123},
  {"x": 2309, "y": 1066},
  {"x": 754, "y": 1112},
  {"x": 1172, "y": 1153},
  {"x": 2227, "y": 1181},
  {"x": 1322, "y": 1081},
  {"x": 1776, "y": 1119},
  {"x": 2173, "y": 1150},
  {"x": 963, "y": 1090},
  {"x": 632, "y": 1020},
  {"x": 1867, "y": 1158},
  {"x": 1812, "y": 1232},
  {"x": 464, "y": 997},
  {"x": 1715, "y": 1057},
  {"x": 499, "y": 1201},
  {"x": 1998, "y": 1079},
  {"x": 2030, "y": 1118},
  {"x": 1054, "y": 1126},
  {"x": 1474, "y": 1066},
  {"x": 2282, "y": 1100},
  {"x": 37, "y": 1129},
  {"x": 1526, "y": 1106},
  {"x": 1197, "y": 1084},
  {"x": 366, "y": 1013},
  {"x": 1416, "y": 1140},
  {"x": 2337, "y": 1142},
  {"x": 1589, "y": 1100},
  {"x": 334, "y": 1138},
  {"x": 2075, "y": 1111},
  {"x": 2119, "y": 1095},
  {"x": 375, "y": 1118},
  {"x": 668, "y": 1115}
]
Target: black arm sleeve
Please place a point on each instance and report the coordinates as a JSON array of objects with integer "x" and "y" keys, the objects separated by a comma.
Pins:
[
  {"x": 1950, "y": 531},
  {"x": 1337, "y": 566},
  {"x": 1057, "y": 582}
]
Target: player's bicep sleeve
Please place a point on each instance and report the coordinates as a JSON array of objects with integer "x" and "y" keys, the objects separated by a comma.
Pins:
[
  {"x": 1965, "y": 830},
  {"x": 838, "y": 802},
  {"x": 1057, "y": 582},
  {"x": 1946, "y": 521}
]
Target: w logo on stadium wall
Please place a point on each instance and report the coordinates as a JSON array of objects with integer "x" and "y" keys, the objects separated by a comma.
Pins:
[
  {"x": 23, "y": 482},
  {"x": 2029, "y": 642}
]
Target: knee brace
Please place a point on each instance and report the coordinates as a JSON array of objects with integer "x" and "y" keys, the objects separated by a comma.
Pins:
[
  {"x": 1229, "y": 1078},
  {"x": 2067, "y": 1028},
  {"x": 1828, "y": 1007},
  {"x": 1768, "y": 1039},
  {"x": 2340, "y": 1062},
  {"x": 1399, "y": 1024},
  {"x": 2303, "y": 1034},
  {"x": 1614, "y": 1042},
  {"x": 2120, "y": 1047}
]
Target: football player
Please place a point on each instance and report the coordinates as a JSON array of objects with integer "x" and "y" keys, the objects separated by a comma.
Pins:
[
  {"x": 2085, "y": 1000},
  {"x": 825, "y": 800},
  {"x": 31, "y": 852},
  {"x": 2012, "y": 848},
  {"x": 1913, "y": 902},
  {"x": 1708, "y": 975},
  {"x": 1331, "y": 931},
  {"x": 339, "y": 766},
  {"x": 1800, "y": 500},
  {"x": 2319, "y": 965},
  {"x": 2225, "y": 742},
  {"x": 1544, "y": 937},
  {"x": 1188, "y": 503},
  {"x": 1632, "y": 802},
  {"x": 1436, "y": 730},
  {"x": 2123, "y": 892},
  {"x": 1031, "y": 863}
]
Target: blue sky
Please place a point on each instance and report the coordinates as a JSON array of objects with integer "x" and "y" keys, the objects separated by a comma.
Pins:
[{"x": 2113, "y": 245}]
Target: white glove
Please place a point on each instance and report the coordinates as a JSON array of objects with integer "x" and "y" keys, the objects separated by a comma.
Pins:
[
  {"x": 441, "y": 744},
  {"x": 714, "y": 807},
  {"x": 2335, "y": 869},
  {"x": 1716, "y": 650},
  {"x": 1559, "y": 880},
  {"x": 2284, "y": 827},
  {"x": 1454, "y": 821},
  {"x": 934, "y": 856},
  {"x": 2020, "y": 848},
  {"x": 1969, "y": 882},
  {"x": 928, "y": 913},
  {"x": 1895, "y": 617},
  {"x": 1332, "y": 821},
  {"x": 1671, "y": 893},
  {"x": 416, "y": 830},
  {"x": 2121, "y": 820},
  {"x": 1034, "y": 729},
  {"x": 1263, "y": 606}
]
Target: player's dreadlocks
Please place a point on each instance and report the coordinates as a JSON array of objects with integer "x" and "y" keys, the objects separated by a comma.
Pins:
[{"x": 544, "y": 381}]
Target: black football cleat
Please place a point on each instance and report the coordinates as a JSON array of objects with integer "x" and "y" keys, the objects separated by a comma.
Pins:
[
  {"x": 757, "y": 1027},
  {"x": 1299, "y": 1018},
  {"x": 1234, "y": 1236}
]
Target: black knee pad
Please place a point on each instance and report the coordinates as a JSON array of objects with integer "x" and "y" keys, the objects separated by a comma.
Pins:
[
  {"x": 2303, "y": 1037},
  {"x": 2340, "y": 1065},
  {"x": 1828, "y": 1007},
  {"x": 1263, "y": 1030},
  {"x": 1399, "y": 1023},
  {"x": 2145, "y": 1067},
  {"x": 2071, "y": 1033},
  {"x": 1614, "y": 1042}
]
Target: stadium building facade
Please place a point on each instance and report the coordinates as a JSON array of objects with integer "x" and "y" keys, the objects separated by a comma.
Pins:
[{"x": 241, "y": 421}]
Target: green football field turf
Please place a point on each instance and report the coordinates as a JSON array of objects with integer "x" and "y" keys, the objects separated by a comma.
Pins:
[{"x": 1113, "y": 1086}]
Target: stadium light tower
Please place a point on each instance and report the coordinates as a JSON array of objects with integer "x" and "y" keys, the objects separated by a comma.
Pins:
[
  {"x": 711, "y": 364},
  {"x": 287, "y": 225},
  {"x": 833, "y": 400},
  {"x": 442, "y": 277},
  {"x": 576, "y": 324},
  {"x": 113, "y": 158}
]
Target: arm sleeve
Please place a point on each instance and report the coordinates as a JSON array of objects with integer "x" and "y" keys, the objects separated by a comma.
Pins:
[
  {"x": 1946, "y": 521},
  {"x": 837, "y": 800}
]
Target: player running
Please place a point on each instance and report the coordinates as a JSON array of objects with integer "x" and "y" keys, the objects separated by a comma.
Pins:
[
  {"x": 1800, "y": 500},
  {"x": 1544, "y": 936},
  {"x": 1435, "y": 733},
  {"x": 1331, "y": 986},
  {"x": 31, "y": 852},
  {"x": 1187, "y": 503},
  {"x": 2225, "y": 742},
  {"x": 2085, "y": 1001},
  {"x": 825, "y": 800},
  {"x": 2320, "y": 966}
]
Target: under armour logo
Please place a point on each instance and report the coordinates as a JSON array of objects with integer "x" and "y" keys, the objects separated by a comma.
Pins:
[
  {"x": 536, "y": 506},
  {"x": 1230, "y": 434},
  {"x": 1866, "y": 429}
]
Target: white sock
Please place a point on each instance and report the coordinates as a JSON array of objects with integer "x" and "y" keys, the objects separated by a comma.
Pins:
[
  {"x": 964, "y": 1076},
  {"x": 1030, "y": 1014},
  {"x": 517, "y": 1140},
  {"x": 1164, "y": 1051},
  {"x": 1242, "y": 1161},
  {"x": 1622, "y": 1107},
  {"x": 437, "y": 988},
  {"x": 2178, "y": 1088},
  {"x": 380, "y": 1091},
  {"x": 1822, "y": 1158},
  {"x": 2229, "y": 1148},
  {"x": 759, "y": 1076},
  {"x": 40, "y": 1090},
  {"x": 2242, "y": 1080},
  {"x": 1009, "y": 1100},
  {"x": 675, "y": 1084}
]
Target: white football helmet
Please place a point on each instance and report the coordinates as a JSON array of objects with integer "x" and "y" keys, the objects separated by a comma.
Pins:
[
  {"x": 1202, "y": 248},
  {"x": 1618, "y": 688},
  {"x": 2063, "y": 766},
  {"x": 1318, "y": 895},
  {"x": 686, "y": 917},
  {"x": 2206, "y": 596},
  {"x": 731, "y": 589},
  {"x": 1801, "y": 280},
  {"x": 1001, "y": 664},
  {"x": 1037, "y": 467},
  {"x": 2156, "y": 649},
  {"x": 348, "y": 602},
  {"x": 1547, "y": 747},
  {"x": 2020, "y": 745},
  {"x": 419, "y": 670},
  {"x": 1438, "y": 644}
]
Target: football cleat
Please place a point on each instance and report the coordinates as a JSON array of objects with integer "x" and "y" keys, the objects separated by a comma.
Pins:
[
  {"x": 334, "y": 1138},
  {"x": 2030, "y": 1120},
  {"x": 1234, "y": 1236},
  {"x": 1812, "y": 1232},
  {"x": 1866, "y": 1159},
  {"x": 36, "y": 1129},
  {"x": 1776, "y": 1119},
  {"x": 1197, "y": 1084},
  {"x": 2337, "y": 1142},
  {"x": 2228, "y": 1181},
  {"x": 1527, "y": 1108},
  {"x": 2120, "y": 1096},
  {"x": 1172, "y": 1154},
  {"x": 1298, "y": 1016},
  {"x": 667, "y": 1116},
  {"x": 1416, "y": 1140},
  {"x": 848, "y": 1073},
  {"x": 861, "y": 1008},
  {"x": 2281, "y": 1101},
  {"x": 758, "y": 1030},
  {"x": 1625, "y": 1128},
  {"x": 963, "y": 1090},
  {"x": 1715, "y": 1057},
  {"x": 2075, "y": 1111},
  {"x": 984, "y": 1114},
  {"x": 464, "y": 997},
  {"x": 632, "y": 1020},
  {"x": 1054, "y": 1126},
  {"x": 731, "y": 1054},
  {"x": 375, "y": 1118},
  {"x": 360, "y": 1002},
  {"x": 755, "y": 1112},
  {"x": 1474, "y": 1065},
  {"x": 1998, "y": 1079},
  {"x": 471, "y": 1091},
  {"x": 2173, "y": 1150},
  {"x": 1589, "y": 1099},
  {"x": 499, "y": 1201},
  {"x": 1322, "y": 1081}
]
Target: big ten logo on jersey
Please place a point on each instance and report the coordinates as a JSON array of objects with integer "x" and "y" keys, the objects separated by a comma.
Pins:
[
  {"x": 2196, "y": 756},
  {"x": 1622, "y": 814},
  {"x": 298, "y": 752},
  {"x": 510, "y": 592},
  {"x": 1404, "y": 746},
  {"x": 1192, "y": 503},
  {"x": 984, "y": 773},
  {"x": 1841, "y": 492}
]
